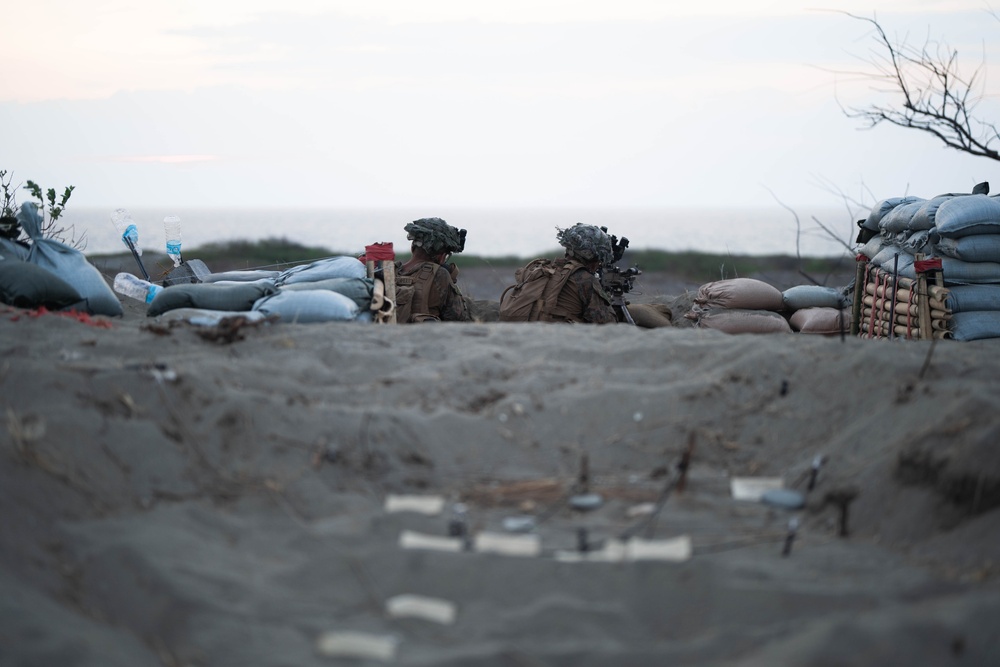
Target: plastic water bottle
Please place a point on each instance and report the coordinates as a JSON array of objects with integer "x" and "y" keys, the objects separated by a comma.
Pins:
[
  {"x": 136, "y": 288},
  {"x": 122, "y": 220},
  {"x": 172, "y": 229}
]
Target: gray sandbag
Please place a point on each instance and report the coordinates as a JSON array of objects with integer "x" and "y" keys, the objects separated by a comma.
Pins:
[
  {"x": 10, "y": 248},
  {"x": 964, "y": 216},
  {"x": 955, "y": 271},
  {"x": 900, "y": 218},
  {"x": 69, "y": 264},
  {"x": 744, "y": 293},
  {"x": 308, "y": 306},
  {"x": 914, "y": 242},
  {"x": 873, "y": 246},
  {"x": 882, "y": 208},
  {"x": 26, "y": 285},
  {"x": 812, "y": 296},
  {"x": 240, "y": 276},
  {"x": 359, "y": 290},
  {"x": 975, "y": 325},
  {"x": 925, "y": 216},
  {"x": 974, "y": 248},
  {"x": 966, "y": 298},
  {"x": 333, "y": 267},
  {"x": 209, "y": 296}
]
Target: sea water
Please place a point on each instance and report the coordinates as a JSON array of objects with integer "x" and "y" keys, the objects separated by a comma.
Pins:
[{"x": 492, "y": 232}]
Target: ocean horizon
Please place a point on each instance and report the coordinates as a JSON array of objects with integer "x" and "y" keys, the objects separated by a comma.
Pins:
[{"x": 492, "y": 232}]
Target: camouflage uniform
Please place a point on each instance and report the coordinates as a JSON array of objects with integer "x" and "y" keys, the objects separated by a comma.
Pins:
[
  {"x": 441, "y": 299},
  {"x": 583, "y": 293},
  {"x": 444, "y": 299}
]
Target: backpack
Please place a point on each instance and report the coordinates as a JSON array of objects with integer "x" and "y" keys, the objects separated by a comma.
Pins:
[
  {"x": 413, "y": 294},
  {"x": 533, "y": 297}
]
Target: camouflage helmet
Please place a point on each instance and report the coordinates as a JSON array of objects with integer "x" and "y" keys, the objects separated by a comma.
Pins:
[
  {"x": 435, "y": 236},
  {"x": 586, "y": 242}
]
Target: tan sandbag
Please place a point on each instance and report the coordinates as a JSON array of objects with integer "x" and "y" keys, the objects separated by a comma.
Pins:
[
  {"x": 651, "y": 315},
  {"x": 818, "y": 320},
  {"x": 740, "y": 293},
  {"x": 743, "y": 321}
]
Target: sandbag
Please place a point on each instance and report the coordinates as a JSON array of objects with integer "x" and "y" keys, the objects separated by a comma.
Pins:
[
  {"x": 874, "y": 246},
  {"x": 334, "y": 267},
  {"x": 26, "y": 285},
  {"x": 13, "y": 249},
  {"x": 209, "y": 296},
  {"x": 882, "y": 208},
  {"x": 964, "y": 216},
  {"x": 358, "y": 290},
  {"x": 823, "y": 321},
  {"x": 308, "y": 306},
  {"x": 957, "y": 271},
  {"x": 743, "y": 293},
  {"x": 812, "y": 296},
  {"x": 925, "y": 216},
  {"x": 974, "y": 248},
  {"x": 70, "y": 265},
  {"x": 742, "y": 321},
  {"x": 240, "y": 276},
  {"x": 901, "y": 217},
  {"x": 975, "y": 325},
  {"x": 964, "y": 298},
  {"x": 650, "y": 315}
]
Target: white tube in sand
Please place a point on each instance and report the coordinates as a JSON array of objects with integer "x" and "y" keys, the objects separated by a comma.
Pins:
[
  {"x": 508, "y": 545},
  {"x": 419, "y": 606},
  {"x": 351, "y": 644},
  {"x": 409, "y": 539},
  {"x": 429, "y": 505}
]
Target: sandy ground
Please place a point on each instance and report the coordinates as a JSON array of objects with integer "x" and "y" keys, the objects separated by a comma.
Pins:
[{"x": 168, "y": 499}]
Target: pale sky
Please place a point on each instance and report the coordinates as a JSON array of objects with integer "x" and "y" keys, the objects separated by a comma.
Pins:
[{"x": 464, "y": 103}]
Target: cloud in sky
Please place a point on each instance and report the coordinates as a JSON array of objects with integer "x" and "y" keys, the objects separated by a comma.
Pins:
[{"x": 555, "y": 102}]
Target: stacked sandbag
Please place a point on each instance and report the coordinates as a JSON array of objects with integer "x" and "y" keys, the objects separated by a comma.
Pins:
[
  {"x": 739, "y": 305},
  {"x": 962, "y": 231},
  {"x": 336, "y": 289},
  {"x": 328, "y": 290},
  {"x": 813, "y": 309}
]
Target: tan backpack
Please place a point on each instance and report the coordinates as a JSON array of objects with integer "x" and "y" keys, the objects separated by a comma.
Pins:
[
  {"x": 533, "y": 297},
  {"x": 413, "y": 295}
]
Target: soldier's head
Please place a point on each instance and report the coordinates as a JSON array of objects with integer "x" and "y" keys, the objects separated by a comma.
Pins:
[
  {"x": 434, "y": 239},
  {"x": 587, "y": 244}
]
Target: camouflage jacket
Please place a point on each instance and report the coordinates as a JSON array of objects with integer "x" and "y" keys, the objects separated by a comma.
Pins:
[
  {"x": 443, "y": 298},
  {"x": 583, "y": 294}
]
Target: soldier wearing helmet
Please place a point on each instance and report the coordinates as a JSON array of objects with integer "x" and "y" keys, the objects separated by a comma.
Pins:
[
  {"x": 426, "y": 289},
  {"x": 565, "y": 289},
  {"x": 582, "y": 295}
]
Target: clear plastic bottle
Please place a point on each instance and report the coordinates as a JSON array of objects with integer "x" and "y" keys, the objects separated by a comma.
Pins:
[
  {"x": 122, "y": 220},
  {"x": 172, "y": 229},
  {"x": 136, "y": 288}
]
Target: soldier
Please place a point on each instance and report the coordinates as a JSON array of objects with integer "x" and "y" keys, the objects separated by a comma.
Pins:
[
  {"x": 565, "y": 289},
  {"x": 425, "y": 285}
]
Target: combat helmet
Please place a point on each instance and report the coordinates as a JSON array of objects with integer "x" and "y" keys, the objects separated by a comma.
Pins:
[
  {"x": 435, "y": 236},
  {"x": 587, "y": 243}
]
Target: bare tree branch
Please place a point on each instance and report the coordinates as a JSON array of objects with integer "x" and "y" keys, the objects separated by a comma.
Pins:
[{"x": 931, "y": 93}]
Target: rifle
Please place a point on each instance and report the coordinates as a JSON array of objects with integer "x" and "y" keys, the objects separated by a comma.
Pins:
[{"x": 616, "y": 281}]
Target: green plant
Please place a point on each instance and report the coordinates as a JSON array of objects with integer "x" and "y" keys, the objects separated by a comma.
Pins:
[
  {"x": 9, "y": 227},
  {"x": 51, "y": 228}
]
